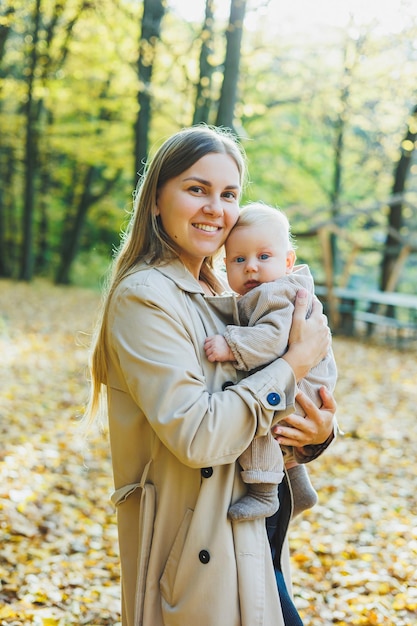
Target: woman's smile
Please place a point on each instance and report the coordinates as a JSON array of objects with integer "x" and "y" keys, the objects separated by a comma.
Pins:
[{"x": 207, "y": 227}]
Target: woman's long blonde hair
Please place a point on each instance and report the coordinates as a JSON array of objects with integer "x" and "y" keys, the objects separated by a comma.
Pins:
[{"x": 145, "y": 237}]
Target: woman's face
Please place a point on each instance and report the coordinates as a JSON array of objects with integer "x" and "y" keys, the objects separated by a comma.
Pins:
[{"x": 199, "y": 207}]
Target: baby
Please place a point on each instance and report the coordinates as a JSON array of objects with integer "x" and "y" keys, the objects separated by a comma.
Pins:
[{"x": 260, "y": 268}]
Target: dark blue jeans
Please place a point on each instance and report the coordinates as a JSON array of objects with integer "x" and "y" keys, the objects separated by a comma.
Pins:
[{"x": 276, "y": 527}]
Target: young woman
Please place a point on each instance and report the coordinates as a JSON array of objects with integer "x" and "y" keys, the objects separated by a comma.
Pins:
[{"x": 178, "y": 422}]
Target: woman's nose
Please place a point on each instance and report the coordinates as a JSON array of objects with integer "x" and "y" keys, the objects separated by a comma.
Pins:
[{"x": 213, "y": 207}]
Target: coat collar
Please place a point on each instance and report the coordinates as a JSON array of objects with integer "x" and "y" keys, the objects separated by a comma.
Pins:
[
  {"x": 176, "y": 271},
  {"x": 225, "y": 304},
  {"x": 182, "y": 277}
]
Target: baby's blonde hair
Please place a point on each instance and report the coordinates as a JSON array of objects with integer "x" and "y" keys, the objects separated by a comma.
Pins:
[{"x": 256, "y": 213}]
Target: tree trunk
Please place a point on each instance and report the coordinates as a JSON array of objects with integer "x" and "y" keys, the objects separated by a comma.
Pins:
[
  {"x": 42, "y": 243},
  {"x": 9, "y": 226},
  {"x": 72, "y": 231},
  {"x": 56, "y": 32},
  {"x": 4, "y": 264},
  {"x": 153, "y": 12},
  {"x": 228, "y": 95},
  {"x": 351, "y": 54},
  {"x": 6, "y": 166},
  {"x": 203, "y": 98},
  {"x": 26, "y": 269},
  {"x": 74, "y": 221},
  {"x": 5, "y": 30},
  {"x": 395, "y": 217}
]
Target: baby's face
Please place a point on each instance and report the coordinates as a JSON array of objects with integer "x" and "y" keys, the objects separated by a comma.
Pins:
[{"x": 257, "y": 254}]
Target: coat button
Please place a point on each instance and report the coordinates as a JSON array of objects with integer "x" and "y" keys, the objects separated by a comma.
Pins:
[
  {"x": 273, "y": 398},
  {"x": 227, "y": 384},
  {"x": 206, "y": 472},
  {"x": 204, "y": 556}
]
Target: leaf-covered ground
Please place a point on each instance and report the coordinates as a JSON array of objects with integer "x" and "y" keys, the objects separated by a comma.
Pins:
[{"x": 354, "y": 555}]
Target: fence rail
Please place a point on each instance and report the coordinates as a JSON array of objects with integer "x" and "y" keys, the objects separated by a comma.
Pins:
[{"x": 350, "y": 308}]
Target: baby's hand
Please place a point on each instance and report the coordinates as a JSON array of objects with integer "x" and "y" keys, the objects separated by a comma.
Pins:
[{"x": 217, "y": 349}]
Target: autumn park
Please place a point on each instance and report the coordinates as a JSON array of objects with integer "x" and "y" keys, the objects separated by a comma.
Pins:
[{"x": 325, "y": 105}]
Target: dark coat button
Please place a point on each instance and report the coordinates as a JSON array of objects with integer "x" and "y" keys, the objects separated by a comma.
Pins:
[
  {"x": 227, "y": 384},
  {"x": 204, "y": 556},
  {"x": 273, "y": 398},
  {"x": 206, "y": 472}
]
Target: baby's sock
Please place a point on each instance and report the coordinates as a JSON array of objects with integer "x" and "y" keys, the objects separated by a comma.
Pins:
[
  {"x": 304, "y": 494},
  {"x": 260, "y": 501}
]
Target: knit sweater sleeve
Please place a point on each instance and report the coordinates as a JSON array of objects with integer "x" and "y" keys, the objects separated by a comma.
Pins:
[{"x": 267, "y": 313}]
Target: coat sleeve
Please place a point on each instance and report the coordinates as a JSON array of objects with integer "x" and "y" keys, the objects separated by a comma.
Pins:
[{"x": 160, "y": 359}]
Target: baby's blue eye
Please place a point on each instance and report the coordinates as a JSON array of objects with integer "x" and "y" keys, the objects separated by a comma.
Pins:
[
  {"x": 264, "y": 256},
  {"x": 240, "y": 259}
]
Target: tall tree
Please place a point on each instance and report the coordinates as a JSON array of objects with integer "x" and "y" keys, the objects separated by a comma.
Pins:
[
  {"x": 395, "y": 217},
  {"x": 6, "y": 163},
  {"x": 93, "y": 179},
  {"x": 8, "y": 220},
  {"x": 26, "y": 268},
  {"x": 153, "y": 12},
  {"x": 203, "y": 98},
  {"x": 5, "y": 28},
  {"x": 94, "y": 184},
  {"x": 58, "y": 32},
  {"x": 352, "y": 53},
  {"x": 42, "y": 63},
  {"x": 228, "y": 94}
]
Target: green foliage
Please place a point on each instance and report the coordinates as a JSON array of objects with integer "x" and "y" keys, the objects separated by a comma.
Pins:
[
  {"x": 295, "y": 95},
  {"x": 90, "y": 268},
  {"x": 353, "y": 554},
  {"x": 291, "y": 106},
  {"x": 84, "y": 93}
]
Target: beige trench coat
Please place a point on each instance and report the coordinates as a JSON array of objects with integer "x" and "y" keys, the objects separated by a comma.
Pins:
[{"x": 175, "y": 439}]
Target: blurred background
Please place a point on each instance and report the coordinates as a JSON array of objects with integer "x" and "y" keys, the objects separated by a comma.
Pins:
[{"x": 323, "y": 96}]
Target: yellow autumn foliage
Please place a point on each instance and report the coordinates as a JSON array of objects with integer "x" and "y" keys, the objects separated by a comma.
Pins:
[{"x": 354, "y": 555}]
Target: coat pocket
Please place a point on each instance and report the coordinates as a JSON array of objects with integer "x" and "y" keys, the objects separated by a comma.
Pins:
[
  {"x": 146, "y": 520},
  {"x": 169, "y": 576}
]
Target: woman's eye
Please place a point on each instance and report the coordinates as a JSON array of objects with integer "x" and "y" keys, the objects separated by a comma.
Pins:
[
  {"x": 196, "y": 189},
  {"x": 230, "y": 195}
]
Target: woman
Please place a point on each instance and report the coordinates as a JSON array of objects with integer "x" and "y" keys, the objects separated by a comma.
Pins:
[{"x": 177, "y": 422}]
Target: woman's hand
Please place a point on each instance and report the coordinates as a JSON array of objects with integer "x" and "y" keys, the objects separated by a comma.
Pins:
[
  {"x": 315, "y": 428},
  {"x": 310, "y": 339}
]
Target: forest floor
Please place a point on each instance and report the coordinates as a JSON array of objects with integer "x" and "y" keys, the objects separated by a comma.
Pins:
[{"x": 354, "y": 555}]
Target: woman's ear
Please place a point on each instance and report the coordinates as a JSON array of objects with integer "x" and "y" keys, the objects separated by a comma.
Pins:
[{"x": 290, "y": 260}]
